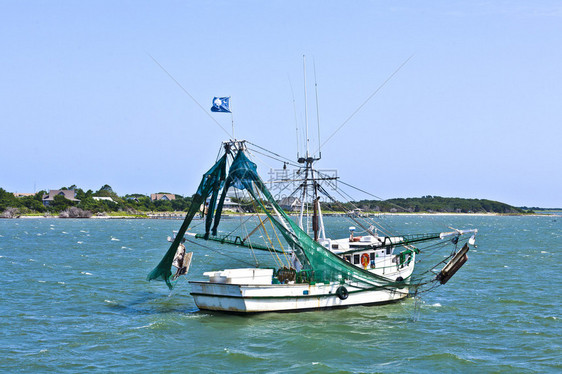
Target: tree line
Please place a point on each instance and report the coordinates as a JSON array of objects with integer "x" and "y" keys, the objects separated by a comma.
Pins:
[
  {"x": 430, "y": 204},
  {"x": 128, "y": 204},
  {"x": 139, "y": 203}
]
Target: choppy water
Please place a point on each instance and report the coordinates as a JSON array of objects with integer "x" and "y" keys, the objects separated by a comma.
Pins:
[{"x": 73, "y": 298}]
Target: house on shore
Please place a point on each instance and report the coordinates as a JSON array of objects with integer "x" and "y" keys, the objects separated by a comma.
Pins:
[
  {"x": 228, "y": 205},
  {"x": 357, "y": 212},
  {"x": 290, "y": 204},
  {"x": 23, "y": 194},
  {"x": 231, "y": 205},
  {"x": 103, "y": 198},
  {"x": 67, "y": 194},
  {"x": 162, "y": 196}
]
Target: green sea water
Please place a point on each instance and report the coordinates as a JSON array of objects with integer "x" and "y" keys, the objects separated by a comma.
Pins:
[{"x": 73, "y": 298}]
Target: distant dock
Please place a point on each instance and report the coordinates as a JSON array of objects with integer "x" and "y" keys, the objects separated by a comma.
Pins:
[{"x": 166, "y": 215}]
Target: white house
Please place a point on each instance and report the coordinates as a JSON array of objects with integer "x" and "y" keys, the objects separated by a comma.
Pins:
[
  {"x": 290, "y": 204},
  {"x": 103, "y": 198}
]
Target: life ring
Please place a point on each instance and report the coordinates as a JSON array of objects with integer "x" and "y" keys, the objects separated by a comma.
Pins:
[
  {"x": 342, "y": 292},
  {"x": 365, "y": 260}
]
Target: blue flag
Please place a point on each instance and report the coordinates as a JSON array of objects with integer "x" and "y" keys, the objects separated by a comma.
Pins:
[{"x": 221, "y": 104}]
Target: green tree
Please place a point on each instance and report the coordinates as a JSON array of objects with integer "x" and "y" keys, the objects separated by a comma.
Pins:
[
  {"x": 106, "y": 191},
  {"x": 163, "y": 205},
  {"x": 8, "y": 200},
  {"x": 80, "y": 194},
  {"x": 33, "y": 204}
]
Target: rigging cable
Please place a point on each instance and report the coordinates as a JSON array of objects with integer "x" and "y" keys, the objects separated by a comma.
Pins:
[
  {"x": 366, "y": 101},
  {"x": 217, "y": 251},
  {"x": 188, "y": 94},
  {"x": 273, "y": 153}
]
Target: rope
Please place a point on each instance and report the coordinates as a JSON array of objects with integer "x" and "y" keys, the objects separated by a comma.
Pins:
[
  {"x": 279, "y": 262},
  {"x": 243, "y": 225},
  {"x": 279, "y": 241}
]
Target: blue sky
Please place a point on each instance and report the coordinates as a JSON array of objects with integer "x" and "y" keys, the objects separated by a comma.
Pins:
[{"x": 475, "y": 113}]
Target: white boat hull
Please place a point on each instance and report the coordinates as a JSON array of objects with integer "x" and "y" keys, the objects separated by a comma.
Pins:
[{"x": 239, "y": 298}]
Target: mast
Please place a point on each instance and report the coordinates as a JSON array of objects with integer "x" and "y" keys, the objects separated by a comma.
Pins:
[
  {"x": 303, "y": 196},
  {"x": 308, "y": 161},
  {"x": 322, "y": 231},
  {"x": 316, "y": 209}
]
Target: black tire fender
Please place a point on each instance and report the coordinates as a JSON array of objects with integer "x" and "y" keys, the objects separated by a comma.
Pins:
[{"x": 342, "y": 292}]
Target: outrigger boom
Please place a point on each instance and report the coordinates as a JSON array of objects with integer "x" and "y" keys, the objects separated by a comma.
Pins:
[{"x": 453, "y": 265}]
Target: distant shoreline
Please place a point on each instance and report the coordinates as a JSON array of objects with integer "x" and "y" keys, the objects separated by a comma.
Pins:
[{"x": 178, "y": 217}]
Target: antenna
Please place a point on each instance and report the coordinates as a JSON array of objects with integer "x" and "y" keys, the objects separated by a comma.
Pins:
[
  {"x": 295, "y": 110},
  {"x": 305, "y": 104},
  {"x": 317, "y": 110}
]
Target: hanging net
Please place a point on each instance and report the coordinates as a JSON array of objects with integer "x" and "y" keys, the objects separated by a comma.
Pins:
[
  {"x": 310, "y": 262},
  {"x": 210, "y": 184}
]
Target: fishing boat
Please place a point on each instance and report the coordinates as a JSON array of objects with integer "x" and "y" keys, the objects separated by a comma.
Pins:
[{"x": 311, "y": 271}]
